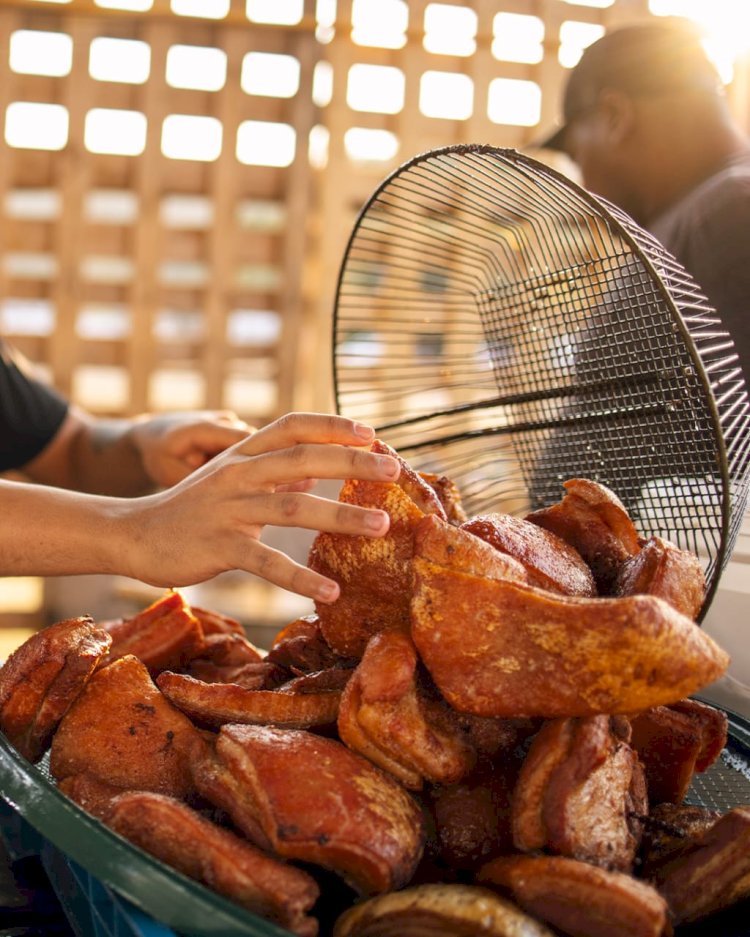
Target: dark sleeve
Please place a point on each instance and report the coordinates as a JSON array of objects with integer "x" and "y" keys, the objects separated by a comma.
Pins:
[
  {"x": 717, "y": 254},
  {"x": 30, "y": 411}
]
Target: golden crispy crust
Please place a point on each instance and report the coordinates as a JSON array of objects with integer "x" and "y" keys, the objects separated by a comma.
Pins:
[
  {"x": 166, "y": 635},
  {"x": 215, "y": 704},
  {"x": 388, "y": 717},
  {"x": 663, "y": 569},
  {"x": 579, "y": 898},
  {"x": 503, "y": 648},
  {"x": 123, "y": 731},
  {"x": 195, "y": 846},
  {"x": 42, "y": 678},
  {"x": 550, "y": 562},
  {"x": 311, "y": 799}
]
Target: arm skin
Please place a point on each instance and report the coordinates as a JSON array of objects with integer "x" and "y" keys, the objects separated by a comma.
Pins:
[{"x": 205, "y": 524}]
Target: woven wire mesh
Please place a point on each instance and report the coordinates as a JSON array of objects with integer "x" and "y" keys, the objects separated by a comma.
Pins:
[{"x": 503, "y": 327}]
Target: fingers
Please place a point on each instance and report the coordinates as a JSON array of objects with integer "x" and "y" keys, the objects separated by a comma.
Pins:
[
  {"x": 278, "y": 568},
  {"x": 297, "y": 509},
  {"x": 297, "y": 428},
  {"x": 318, "y": 460}
]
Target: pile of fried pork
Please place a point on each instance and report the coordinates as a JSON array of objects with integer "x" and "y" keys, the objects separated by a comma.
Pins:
[{"x": 489, "y": 733}]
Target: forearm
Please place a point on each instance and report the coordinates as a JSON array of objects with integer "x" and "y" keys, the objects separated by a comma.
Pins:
[{"x": 51, "y": 532}]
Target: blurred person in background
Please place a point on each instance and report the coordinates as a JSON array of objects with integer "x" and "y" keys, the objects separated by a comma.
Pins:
[
  {"x": 646, "y": 120},
  {"x": 169, "y": 499}
]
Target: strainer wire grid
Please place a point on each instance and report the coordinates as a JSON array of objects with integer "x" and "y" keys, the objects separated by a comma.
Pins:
[{"x": 502, "y": 326}]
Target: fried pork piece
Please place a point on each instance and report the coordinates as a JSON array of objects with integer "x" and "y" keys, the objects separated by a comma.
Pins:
[
  {"x": 301, "y": 648},
  {"x": 579, "y": 791},
  {"x": 310, "y": 799},
  {"x": 215, "y": 704},
  {"x": 449, "y": 495},
  {"x": 166, "y": 635},
  {"x": 669, "y": 831},
  {"x": 673, "y": 742},
  {"x": 195, "y": 846},
  {"x": 123, "y": 731},
  {"x": 714, "y": 874},
  {"x": 42, "y": 678},
  {"x": 578, "y": 898},
  {"x": 550, "y": 562},
  {"x": 374, "y": 573},
  {"x": 216, "y": 623},
  {"x": 460, "y": 549},
  {"x": 472, "y": 819},
  {"x": 90, "y": 793},
  {"x": 438, "y": 911},
  {"x": 504, "y": 648},
  {"x": 231, "y": 658},
  {"x": 593, "y": 520},
  {"x": 387, "y": 715},
  {"x": 663, "y": 569}
]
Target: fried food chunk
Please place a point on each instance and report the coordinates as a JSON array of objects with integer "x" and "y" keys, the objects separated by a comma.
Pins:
[
  {"x": 301, "y": 648},
  {"x": 550, "y": 562},
  {"x": 578, "y": 898},
  {"x": 673, "y": 742},
  {"x": 504, "y": 648},
  {"x": 460, "y": 549},
  {"x": 669, "y": 831},
  {"x": 578, "y": 792},
  {"x": 166, "y": 635},
  {"x": 215, "y": 704},
  {"x": 374, "y": 573},
  {"x": 593, "y": 520},
  {"x": 90, "y": 793},
  {"x": 715, "y": 874},
  {"x": 42, "y": 678},
  {"x": 218, "y": 858},
  {"x": 449, "y": 495},
  {"x": 231, "y": 658},
  {"x": 388, "y": 716},
  {"x": 661, "y": 568},
  {"x": 440, "y": 911},
  {"x": 215, "y": 623},
  {"x": 311, "y": 799},
  {"x": 123, "y": 731}
]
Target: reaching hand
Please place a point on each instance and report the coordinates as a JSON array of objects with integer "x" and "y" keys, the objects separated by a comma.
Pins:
[{"x": 211, "y": 521}]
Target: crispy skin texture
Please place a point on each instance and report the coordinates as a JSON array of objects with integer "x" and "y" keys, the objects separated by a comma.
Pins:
[
  {"x": 673, "y": 742},
  {"x": 714, "y": 875},
  {"x": 449, "y": 495},
  {"x": 218, "y": 858},
  {"x": 216, "y": 623},
  {"x": 387, "y": 716},
  {"x": 310, "y": 799},
  {"x": 374, "y": 573},
  {"x": 593, "y": 520},
  {"x": 42, "y": 678},
  {"x": 123, "y": 731},
  {"x": 503, "y": 648},
  {"x": 577, "y": 791},
  {"x": 669, "y": 831},
  {"x": 579, "y": 898},
  {"x": 663, "y": 569},
  {"x": 215, "y": 704},
  {"x": 230, "y": 658},
  {"x": 461, "y": 549},
  {"x": 550, "y": 562},
  {"x": 438, "y": 910},
  {"x": 166, "y": 635}
]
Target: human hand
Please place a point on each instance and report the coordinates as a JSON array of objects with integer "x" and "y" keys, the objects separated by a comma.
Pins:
[
  {"x": 212, "y": 521},
  {"x": 172, "y": 445}
]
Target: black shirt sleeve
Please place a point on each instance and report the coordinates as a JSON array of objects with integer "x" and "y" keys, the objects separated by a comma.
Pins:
[{"x": 30, "y": 411}]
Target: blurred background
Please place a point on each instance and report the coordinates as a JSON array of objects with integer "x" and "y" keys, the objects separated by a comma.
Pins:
[{"x": 179, "y": 178}]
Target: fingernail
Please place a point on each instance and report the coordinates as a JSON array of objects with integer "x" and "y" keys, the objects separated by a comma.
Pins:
[
  {"x": 375, "y": 521},
  {"x": 389, "y": 466},
  {"x": 327, "y": 592},
  {"x": 363, "y": 430}
]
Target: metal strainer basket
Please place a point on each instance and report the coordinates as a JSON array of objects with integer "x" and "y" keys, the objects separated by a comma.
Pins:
[{"x": 501, "y": 326}]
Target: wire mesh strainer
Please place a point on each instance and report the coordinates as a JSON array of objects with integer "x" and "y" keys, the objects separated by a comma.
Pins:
[{"x": 500, "y": 325}]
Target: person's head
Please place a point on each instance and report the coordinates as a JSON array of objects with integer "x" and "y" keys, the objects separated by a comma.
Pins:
[{"x": 633, "y": 100}]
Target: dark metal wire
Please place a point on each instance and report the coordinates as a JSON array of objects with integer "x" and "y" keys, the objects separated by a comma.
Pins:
[{"x": 500, "y": 325}]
